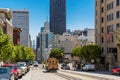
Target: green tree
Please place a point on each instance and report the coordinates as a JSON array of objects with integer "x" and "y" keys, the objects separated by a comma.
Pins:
[
  {"x": 77, "y": 52},
  {"x": 91, "y": 52},
  {"x": 23, "y": 53},
  {"x": 56, "y": 53},
  {"x": 6, "y": 47}
]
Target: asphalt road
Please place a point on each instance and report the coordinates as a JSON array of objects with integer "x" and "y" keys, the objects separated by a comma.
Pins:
[{"x": 40, "y": 74}]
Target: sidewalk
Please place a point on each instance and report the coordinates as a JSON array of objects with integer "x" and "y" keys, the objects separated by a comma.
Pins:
[{"x": 98, "y": 72}]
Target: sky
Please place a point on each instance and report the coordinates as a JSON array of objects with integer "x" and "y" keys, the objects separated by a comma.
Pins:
[{"x": 79, "y": 13}]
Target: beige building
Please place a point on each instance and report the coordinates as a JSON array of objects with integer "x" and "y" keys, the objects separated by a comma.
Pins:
[
  {"x": 107, "y": 24},
  {"x": 5, "y": 17}
]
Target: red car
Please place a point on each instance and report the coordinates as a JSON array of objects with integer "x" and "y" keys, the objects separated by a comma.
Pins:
[
  {"x": 13, "y": 69},
  {"x": 116, "y": 70}
]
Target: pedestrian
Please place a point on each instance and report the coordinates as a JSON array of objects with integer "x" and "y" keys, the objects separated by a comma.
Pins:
[{"x": 42, "y": 66}]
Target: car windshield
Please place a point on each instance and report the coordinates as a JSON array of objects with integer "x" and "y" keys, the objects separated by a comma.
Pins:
[{"x": 3, "y": 71}]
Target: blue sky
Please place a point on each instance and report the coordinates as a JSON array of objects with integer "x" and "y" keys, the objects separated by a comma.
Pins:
[{"x": 80, "y": 13}]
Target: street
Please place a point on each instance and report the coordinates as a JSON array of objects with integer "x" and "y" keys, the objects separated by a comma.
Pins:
[{"x": 37, "y": 73}]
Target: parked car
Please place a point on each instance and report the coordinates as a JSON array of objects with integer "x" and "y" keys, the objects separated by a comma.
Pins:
[
  {"x": 116, "y": 70},
  {"x": 88, "y": 67},
  {"x": 23, "y": 66},
  {"x": 62, "y": 66},
  {"x": 35, "y": 64},
  {"x": 20, "y": 71},
  {"x": 5, "y": 74},
  {"x": 13, "y": 68},
  {"x": 65, "y": 66}
]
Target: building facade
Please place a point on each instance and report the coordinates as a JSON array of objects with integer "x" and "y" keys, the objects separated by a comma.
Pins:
[
  {"x": 87, "y": 35},
  {"x": 44, "y": 42},
  {"x": 16, "y": 36},
  {"x": 58, "y": 16},
  {"x": 107, "y": 28},
  {"x": 21, "y": 20},
  {"x": 5, "y": 19}
]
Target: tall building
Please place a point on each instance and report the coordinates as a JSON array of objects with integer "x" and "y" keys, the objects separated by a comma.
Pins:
[
  {"x": 44, "y": 42},
  {"x": 58, "y": 16},
  {"x": 107, "y": 28},
  {"x": 21, "y": 20}
]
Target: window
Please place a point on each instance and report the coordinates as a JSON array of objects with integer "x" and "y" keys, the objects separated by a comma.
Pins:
[
  {"x": 102, "y": 40},
  {"x": 110, "y": 17},
  {"x": 96, "y": 3},
  {"x": 110, "y": 28},
  {"x": 102, "y": 10},
  {"x": 102, "y": 50},
  {"x": 117, "y": 14},
  {"x": 102, "y": 19},
  {"x": 102, "y": 1},
  {"x": 102, "y": 30},
  {"x": 117, "y": 25},
  {"x": 96, "y": 12},
  {"x": 96, "y": 22},
  {"x": 117, "y": 2},
  {"x": 110, "y": 6},
  {"x": 112, "y": 39}
]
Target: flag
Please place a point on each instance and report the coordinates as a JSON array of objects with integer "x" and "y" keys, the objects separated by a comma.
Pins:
[{"x": 108, "y": 36}]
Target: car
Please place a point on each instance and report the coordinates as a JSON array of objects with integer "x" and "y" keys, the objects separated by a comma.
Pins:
[
  {"x": 62, "y": 66},
  {"x": 20, "y": 71},
  {"x": 35, "y": 64},
  {"x": 13, "y": 68},
  {"x": 23, "y": 66},
  {"x": 66, "y": 67},
  {"x": 5, "y": 74},
  {"x": 116, "y": 70},
  {"x": 88, "y": 67}
]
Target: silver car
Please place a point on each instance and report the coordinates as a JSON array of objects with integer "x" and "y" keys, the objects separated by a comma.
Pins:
[{"x": 5, "y": 74}]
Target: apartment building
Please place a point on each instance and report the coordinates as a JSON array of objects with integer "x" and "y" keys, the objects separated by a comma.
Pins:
[
  {"x": 107, "y": 28},
  {"x": 5, "y": 21}
]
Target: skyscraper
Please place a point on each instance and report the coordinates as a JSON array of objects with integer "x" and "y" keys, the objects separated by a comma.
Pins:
[
  {"x": 58, "y": 16},
  {"x": 21, "y": 20}
]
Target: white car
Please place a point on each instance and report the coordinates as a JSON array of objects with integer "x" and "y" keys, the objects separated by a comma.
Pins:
[
  {"x": 23, "y": 66},
  {"x": 88, "y": 67}
]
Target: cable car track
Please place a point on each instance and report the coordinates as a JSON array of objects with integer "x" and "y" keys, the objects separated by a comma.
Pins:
[
  {"x": 67, "y": 77},
  {"x": 89, "y": 76}
]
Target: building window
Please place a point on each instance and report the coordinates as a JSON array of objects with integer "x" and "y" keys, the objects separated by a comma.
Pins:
[
  {"x": 117, "y": 14},
  {"x": 110, "y": 6},
  {"x": 110, "y": 28},
  {"x": 102, "y": 39},
  {"x": 117, "y": 26},
  {"x": 96, "y": 12},
  {"x": 102, "y": 19},
  {"x": 102, "y": 1},
  {"x": 102, "y": 50},
  {"x": 110, "y": 17},
  {"x": 117, "y": 2},
  {"x": 102, "y": 30},
  {"x": 96, "y": 3},
  {"x": 96, "y": 22},
  {"x": 102, "y": 9},
  {"x": 112, "y": 38}
]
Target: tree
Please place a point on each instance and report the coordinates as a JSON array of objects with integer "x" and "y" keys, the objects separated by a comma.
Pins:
[
  {"x": 56, "y": 53},
  {"x": 77, "y": 52},
  {"x": 91, "y": 52},
  {"x": 23, "y": 53},
  {"x": 6, "y": 47}
]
